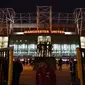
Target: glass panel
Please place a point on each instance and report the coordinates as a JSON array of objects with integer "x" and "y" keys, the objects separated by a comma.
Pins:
[
  {"x": 15, "y": 47},
  {"x": 56, "y": 47},
  {"x": 0, "y": 44},
  {"x": 32, "y": 49},
  {"x": 73, "y": 47},
  {"x": 65, "y": 47},
  {"x": 5, "y": 44},
  {"x": 0, "y": 39},
  {"x": 77, "y": 46},
  {"x": 5, "y": 39},
  {"x": 44, "y": 38},
  {"x": 62, "y": 47},
  {"x": 82, "y": 42},
  {"x": 40, "y": 38}
]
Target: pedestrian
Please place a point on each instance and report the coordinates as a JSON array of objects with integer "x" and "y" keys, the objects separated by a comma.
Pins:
[
  {"x": 17, "y": 69},
  {"x": 60, "y": 63},
  {"x": 45, "y": 75},
  {"x": 72, "y": 70}
]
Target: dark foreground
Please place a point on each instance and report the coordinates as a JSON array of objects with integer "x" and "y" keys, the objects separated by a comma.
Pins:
[{"x": 28, "y": 76}]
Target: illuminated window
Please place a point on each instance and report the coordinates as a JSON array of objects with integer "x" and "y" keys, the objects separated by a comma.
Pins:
[
  {"x": 11, "y": 45},
  {"x": 5, "y": 45},
  {"x": 73, "y": 47},
  {"x": 32, "y": 46},
  {"x": 64, "y": 49},
  {"x": 5, "y": 39},
  {"x": 15, "y": 47},
  {"x": 56, "y": 47},
  {"x": 44, "y": 38},
  {"x": 20, "y": 40},
  {"x": 0, "y": 39},
  {"x": 3, "y": 42},
  {"x": 82, "y": 42}
]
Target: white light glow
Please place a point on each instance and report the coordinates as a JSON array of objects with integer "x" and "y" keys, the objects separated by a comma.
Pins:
[
  {"x": 69, "y": 33},
  {"x": 22, "y": 59},
  {"x": 82, "y": 38},
  {"x": 0, "y": 38},
  {"x": 54, "y": 46},
  {"x": 32, "y": 46},
  {"x": 74, "y": 59},
  {"x": 82, "y": 42},
  {"x": 5, "y": 39},
  {"x": 19, "y": 33},
  {"x": 64, "y": 60}
]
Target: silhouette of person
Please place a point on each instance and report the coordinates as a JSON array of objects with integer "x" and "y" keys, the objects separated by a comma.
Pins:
[
  {"x": 45, "y": 75},
  {"x": 17, "y": 69},
  {"x": 60, "y": 64},
  {"x": 72, "y": 70}
]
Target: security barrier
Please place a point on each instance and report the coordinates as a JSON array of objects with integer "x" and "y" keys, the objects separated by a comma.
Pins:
[{"x": 6, "y": 66}]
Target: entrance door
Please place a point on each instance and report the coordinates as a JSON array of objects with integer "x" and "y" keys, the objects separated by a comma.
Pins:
[{"x": 44, "y": 46}]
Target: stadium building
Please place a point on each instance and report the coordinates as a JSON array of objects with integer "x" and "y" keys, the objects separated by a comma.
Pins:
[{"x": 24, "y": 31}]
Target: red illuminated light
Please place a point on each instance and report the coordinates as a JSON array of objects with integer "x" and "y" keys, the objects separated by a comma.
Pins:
[{"x": 44, "y": 31}]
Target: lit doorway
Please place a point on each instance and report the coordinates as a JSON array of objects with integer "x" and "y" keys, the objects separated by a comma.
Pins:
[{"x": 44, "y": 46}]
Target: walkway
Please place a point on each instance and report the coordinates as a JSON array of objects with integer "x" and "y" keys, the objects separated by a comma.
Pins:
[{"x": 28, "y": 76}]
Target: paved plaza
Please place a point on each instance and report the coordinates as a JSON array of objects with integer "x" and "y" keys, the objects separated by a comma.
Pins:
[{"x": 28, "y": 76}]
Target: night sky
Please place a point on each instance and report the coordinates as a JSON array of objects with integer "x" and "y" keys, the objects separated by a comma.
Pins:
[{"x": 30, "y": 5}]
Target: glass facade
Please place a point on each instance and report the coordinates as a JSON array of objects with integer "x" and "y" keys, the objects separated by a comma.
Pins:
[
  {"x": 24, "y": 49},
  {"x": 64, "y": 49},
  {"x": 26, "y": 45},
  {"x": 58, "y": 49}
]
